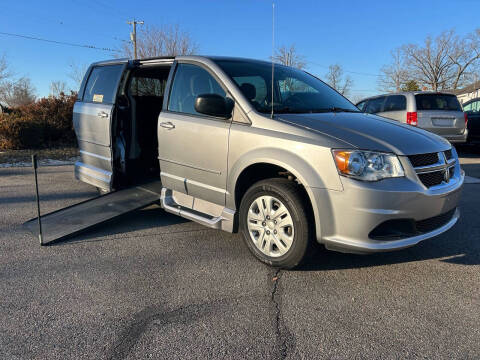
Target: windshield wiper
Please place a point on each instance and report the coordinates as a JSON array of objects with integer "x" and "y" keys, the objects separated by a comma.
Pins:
[{"x": 335, "y": 110}]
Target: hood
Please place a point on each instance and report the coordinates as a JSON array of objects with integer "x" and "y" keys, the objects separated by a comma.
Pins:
[{"x": 370, "y": 132}]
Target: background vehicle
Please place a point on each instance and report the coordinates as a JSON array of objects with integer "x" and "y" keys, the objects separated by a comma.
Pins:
[
  {"x": 439, "y": 113},
  {"x": 472, "y": 109},
  {"x": 199, "y": 133}
]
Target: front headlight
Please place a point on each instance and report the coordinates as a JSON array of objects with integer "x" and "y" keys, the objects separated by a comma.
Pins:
[{"x": 367, "y": 165}]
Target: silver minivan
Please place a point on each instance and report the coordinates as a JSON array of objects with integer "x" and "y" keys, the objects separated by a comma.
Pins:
[{"x": 439, "y": 113}]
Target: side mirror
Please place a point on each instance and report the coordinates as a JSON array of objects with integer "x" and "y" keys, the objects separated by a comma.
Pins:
[{"x": 214, "y": 105}]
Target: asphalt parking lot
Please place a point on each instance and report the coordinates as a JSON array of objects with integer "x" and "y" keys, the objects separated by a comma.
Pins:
[{"x": 152, "y": 285}]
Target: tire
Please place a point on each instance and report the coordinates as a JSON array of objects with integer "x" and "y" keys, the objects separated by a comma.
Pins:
[{"x": 270, "y": 238}]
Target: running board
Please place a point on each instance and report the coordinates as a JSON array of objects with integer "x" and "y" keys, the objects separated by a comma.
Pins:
[
  {"x": 207, "y": 214},
  {"x": 70, "y": 221}
]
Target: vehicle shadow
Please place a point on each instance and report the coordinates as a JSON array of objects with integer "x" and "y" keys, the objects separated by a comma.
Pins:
[{"x": 455, "y": 246}]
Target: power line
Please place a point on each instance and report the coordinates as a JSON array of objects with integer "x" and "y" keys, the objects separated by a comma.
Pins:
[
  {"x": 58, "y": 42},
  {"x": 347, "y": 71}
]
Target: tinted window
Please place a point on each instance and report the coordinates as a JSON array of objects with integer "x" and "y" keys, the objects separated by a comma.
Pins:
[
  {"x": 142, "y": 86},
  {"x": 189, "y": 82},
  {"x": 395, "y": 103},
  {"x": 102, "y": 84},
  {"x": 375, "y": 105},
  {"x": 474, "y": 106},
  {"x": 295, "y": 91},
  {"x": 361, "y": 105},
  {"x": 437, "y": 102}
]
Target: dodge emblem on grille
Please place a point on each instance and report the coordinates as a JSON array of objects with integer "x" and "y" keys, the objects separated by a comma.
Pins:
[{"x": 446, "y": 175}]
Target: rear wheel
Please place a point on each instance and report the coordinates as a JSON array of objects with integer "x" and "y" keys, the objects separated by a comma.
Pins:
[{"x": 275, "y": 222}]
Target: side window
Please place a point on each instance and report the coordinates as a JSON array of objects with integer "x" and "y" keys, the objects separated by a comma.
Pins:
[
  {"x": 475, "y": 106},
  {"x": 102, "y": 84},
  {"x": 375, "y": 105},
  {"x": 189, "y": 82},
  {"x": 395, "y": 103},
  {"x": 361, "y": 106},
  {"x": 468, "y": 107}
]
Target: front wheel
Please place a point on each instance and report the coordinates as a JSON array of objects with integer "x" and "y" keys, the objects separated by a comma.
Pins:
[{"x": 274, "y": 221}]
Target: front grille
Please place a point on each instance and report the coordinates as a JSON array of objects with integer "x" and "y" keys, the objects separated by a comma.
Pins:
[
  {"x": 427, "y": 225},
  {"x": 423, "y": 159},
  {"x": 448, "y": 154},
  {"x": 452, "y": 171},
  {"x": 432, "y": 178}
]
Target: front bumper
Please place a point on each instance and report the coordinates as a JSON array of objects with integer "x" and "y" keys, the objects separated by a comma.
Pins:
[{"x": 348, "y": 217}]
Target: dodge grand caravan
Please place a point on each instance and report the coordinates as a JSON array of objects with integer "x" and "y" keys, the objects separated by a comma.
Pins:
[
  {"x": 285, "y": 162},
  {"x": 439, "y": 113}
]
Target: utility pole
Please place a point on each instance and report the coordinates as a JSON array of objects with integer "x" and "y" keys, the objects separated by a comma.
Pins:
[{"x": 133, "y": 35}]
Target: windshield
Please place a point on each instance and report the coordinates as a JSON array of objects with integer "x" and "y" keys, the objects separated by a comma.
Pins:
[
  {"x": 437, "y": 102},
  {"x": 294, "y": 91}
]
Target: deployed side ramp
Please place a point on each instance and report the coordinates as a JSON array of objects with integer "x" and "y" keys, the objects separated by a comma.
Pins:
[{"x": 71, "y": 220}]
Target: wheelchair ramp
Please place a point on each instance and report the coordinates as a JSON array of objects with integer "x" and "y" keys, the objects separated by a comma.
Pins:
[{"x": 77, "y": 218}]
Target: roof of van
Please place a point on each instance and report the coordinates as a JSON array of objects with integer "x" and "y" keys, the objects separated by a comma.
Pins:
[
  {"x": 179, "y": 57},
  {"x": 445, "y": 92}
]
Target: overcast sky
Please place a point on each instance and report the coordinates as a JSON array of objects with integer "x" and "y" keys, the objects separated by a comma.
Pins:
[{"x": 359, "y": 35}]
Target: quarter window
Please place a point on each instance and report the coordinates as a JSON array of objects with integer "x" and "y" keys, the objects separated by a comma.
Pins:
[
  {"x": 395, "y": 103},
  {"x": 375, "y": 105},
  {"x": 191, "y": 81},
  {"x": 102, "y": 84}
]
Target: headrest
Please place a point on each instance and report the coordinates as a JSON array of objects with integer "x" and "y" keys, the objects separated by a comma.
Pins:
[{"x": 249, "y": 91}]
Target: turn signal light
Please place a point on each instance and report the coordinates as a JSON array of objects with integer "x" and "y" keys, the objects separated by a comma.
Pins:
[
  {"x": 412, "y": 118},
  {"x": 341, "y": 159}
]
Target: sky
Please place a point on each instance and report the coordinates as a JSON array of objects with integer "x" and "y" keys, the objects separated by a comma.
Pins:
[{"x": 358, "y": 35}]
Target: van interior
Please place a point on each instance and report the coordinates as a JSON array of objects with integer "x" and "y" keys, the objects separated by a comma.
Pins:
[{"x": 134, "y": 131}]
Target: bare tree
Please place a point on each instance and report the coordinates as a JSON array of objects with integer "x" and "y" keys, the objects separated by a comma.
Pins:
[
  {"x": 336, "y": 79},
  {"x": 57, "y": 88},
  {"x": 431, "y": 64},
  {"x": 464, "y": 55},
  {"x": 17, "y": 93},
  {"x": 395, "y": 74},
  {"x": 447, "y": 61},
  {"x": 77, "y": 72},
  {"x": 4, "y": 72},
  {"x": 168, "y": 40},
  {"x": 289, "y": 57}
]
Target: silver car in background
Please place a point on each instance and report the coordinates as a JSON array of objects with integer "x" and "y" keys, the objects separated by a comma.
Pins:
[{"x": 436, "y": 112}]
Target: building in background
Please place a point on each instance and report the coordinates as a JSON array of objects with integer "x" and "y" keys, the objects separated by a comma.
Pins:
[{"x": 469, "y": 92}]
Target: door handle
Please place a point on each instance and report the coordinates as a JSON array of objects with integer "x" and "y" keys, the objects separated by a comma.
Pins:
[
  {"x": 167, "y": 125},
  {"x": 102, "y": 114}
]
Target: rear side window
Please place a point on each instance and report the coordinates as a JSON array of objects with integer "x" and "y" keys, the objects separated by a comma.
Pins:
[
  {"x": 189, "y": 82},
  {"x": 102, "y": 84},
  {"x": 395, "y": 103},
  {"x": 437, "y": 102},
  {"x": 375, "y": 105},
  {"x": 474, "y": 106}
]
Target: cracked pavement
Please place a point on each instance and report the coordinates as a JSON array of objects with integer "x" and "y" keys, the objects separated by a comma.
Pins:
[{"x": 152, "y": 285}]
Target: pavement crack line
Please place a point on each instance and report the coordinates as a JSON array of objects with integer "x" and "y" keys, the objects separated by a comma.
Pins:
[{"x": 281, "y": 337}]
